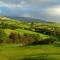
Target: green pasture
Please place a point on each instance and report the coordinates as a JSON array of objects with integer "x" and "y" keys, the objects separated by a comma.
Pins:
[{"x": 38, "y": 52}]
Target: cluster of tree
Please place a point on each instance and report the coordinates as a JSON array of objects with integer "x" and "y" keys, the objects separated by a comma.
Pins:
[
  {"x": 33, "y": 27},
  {"x": 47, "y": 32},
  {"x": 25, "y": 39},
  {"x": 6, "y": 25}
]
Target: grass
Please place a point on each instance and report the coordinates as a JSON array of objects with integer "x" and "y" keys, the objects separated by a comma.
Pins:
[
  {"x": 38, "y": 52},
  {"x": 42, "y": 36}
]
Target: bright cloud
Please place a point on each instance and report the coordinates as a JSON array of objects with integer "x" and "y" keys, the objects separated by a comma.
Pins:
[{"x": 54, "y": 11}]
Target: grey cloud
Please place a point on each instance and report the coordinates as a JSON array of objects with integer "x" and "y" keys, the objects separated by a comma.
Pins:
[{"x": 36, "y": 8}]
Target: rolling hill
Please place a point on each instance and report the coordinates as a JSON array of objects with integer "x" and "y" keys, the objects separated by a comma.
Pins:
[{"x": 28, "y": 19}]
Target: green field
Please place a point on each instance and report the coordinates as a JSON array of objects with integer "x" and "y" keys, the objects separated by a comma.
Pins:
[
  {"x": 20, "y": 40},
  {"x": 38, "y": 52}
]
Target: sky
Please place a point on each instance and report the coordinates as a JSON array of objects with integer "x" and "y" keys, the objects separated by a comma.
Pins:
[{"x": 42, "y": 9}]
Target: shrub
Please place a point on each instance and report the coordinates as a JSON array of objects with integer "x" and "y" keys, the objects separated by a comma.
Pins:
[
  {"x": 13, "y": 37},
  {"x": 50, "y": 40},
  {"x": 25, "y": 39},
  {"x": 2, "y": 36},
  {"x": 30, "y": 38},
  {"x": 57, "y": 44}
]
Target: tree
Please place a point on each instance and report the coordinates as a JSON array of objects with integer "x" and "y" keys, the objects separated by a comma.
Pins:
[
  {"x": 13, "y": 37},
  {"x": 32, "y": 26}
]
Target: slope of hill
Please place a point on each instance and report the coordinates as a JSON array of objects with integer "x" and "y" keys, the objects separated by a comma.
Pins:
[
  {"x": 28, "y": 19},
  {"x": 42, "y": 30}
]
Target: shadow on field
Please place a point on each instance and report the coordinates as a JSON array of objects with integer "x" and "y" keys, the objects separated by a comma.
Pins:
[{"x": 40, "y": 57}]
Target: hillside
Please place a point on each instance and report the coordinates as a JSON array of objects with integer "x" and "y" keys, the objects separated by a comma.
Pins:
[
  {"x": 28, "y": 19},
  {"x": 11, "y": 26},
  {"x": 29, "y": 31},
  {"x": 21, "y": 40}
]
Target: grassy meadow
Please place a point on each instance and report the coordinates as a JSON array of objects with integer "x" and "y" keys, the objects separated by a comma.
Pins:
[
  {"x": 38, "y": 52},
  {"x": 20, "y": 40}
]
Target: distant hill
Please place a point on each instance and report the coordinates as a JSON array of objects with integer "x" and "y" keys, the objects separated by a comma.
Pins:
[{"x": 28, "y": 19}]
